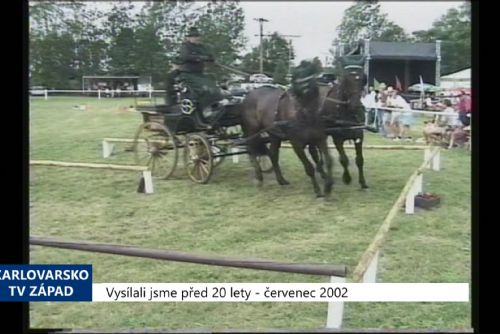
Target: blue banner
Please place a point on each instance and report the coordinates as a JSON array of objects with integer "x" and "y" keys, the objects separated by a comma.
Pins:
[{"x": 45, "y": 282}]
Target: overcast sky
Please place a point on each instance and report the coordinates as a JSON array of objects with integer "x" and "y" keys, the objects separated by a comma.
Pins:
[{"x": 316, "y": 21}]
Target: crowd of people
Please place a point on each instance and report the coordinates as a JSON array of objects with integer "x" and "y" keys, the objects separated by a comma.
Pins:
[
  {"x": 382, "y": 112},
  {"x": 389, "y": 122}
]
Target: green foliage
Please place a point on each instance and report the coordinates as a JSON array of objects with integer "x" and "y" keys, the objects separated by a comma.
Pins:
[
  {"x": 52, "y": 60},
  {"x": 365, "y": 20},
  {"x": 454, "y": 30},
  {"x": 280, "y": 73},
  {"x": 276, "y": 49},
  {"x": 318, "y": 66},
  {"x": 89, "y": 41},
  {"x": 221, "y": 26}
]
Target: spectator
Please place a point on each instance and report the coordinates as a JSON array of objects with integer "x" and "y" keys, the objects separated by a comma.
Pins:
[
  {"x": 448, "y": 120},
  {"x": 371, "y": 98},
  {"x": 445, "y": 128},
  {"x": 385, "y": 115},
  {"x": 428, "y": 102},
  {"x": 464, "y": 108},
  {"x": 404, "y": 118}
]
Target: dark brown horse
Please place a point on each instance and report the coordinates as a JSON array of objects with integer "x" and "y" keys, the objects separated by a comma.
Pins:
[
  {"x": 271, "y": 115},
  {"x": 343, "y": 108}
]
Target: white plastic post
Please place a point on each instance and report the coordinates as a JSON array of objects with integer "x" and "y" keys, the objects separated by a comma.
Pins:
[
  {"x": 370, "y": 275},
  {"x": 150, "y": 92},
  {"x": 436, "y": 161},
  {"x": 335, "y": 309},
  {"x": 112, "y": 93},
  {"x": 107, "y": 149},
  {"x": 99, "y": 94},
  {"x": 427, "y": 154},
  {"x": 46, "y": 94},
  {"x": 148, "y": 182},
  {"x": 236, "y": 158},
  {"x": 419, "y": 183},
  {"x": 410, "y": 201}
]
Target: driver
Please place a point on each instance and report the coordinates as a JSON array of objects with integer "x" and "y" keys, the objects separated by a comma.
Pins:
[{"x": 194, "y": 55}]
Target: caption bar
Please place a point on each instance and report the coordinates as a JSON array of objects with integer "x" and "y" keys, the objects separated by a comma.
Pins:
[{"x": 280, "y": 292}]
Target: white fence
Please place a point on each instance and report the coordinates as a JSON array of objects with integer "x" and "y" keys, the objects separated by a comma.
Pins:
[
  {"x": 100, "y": 92},
  {"x": 112, "y": 93}
]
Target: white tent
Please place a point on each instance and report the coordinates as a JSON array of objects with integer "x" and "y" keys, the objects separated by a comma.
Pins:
[{"x": 460, "y": 79}]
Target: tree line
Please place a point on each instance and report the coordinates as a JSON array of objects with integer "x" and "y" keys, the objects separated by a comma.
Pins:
[{"x": 71, "y": 39}]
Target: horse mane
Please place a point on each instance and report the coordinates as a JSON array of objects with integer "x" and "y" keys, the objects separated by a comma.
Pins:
[
  {"x": 307, "y": 105},
  {"x": 342, "y": 88}
]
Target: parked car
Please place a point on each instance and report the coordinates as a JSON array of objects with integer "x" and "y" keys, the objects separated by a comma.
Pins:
[
  {"x": 260, "y": 78},
  {"x": 37, "y": 91}
]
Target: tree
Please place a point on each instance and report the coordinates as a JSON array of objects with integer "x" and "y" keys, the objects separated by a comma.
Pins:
[
  {"x": 44, "y": 17},
  {"x": 317, "y": 65},
  {"x": 222, "y": 25},
  {"x": 280, "y": 73},
  {"x": 52, "y": 60},
  {"x": 276, "y": 50},
  {"x": 364, "y": 20},
  {"x": 120, "y": 30},
  {"x": 454, "y": 30},
  {"x": 85, "y": 41}
]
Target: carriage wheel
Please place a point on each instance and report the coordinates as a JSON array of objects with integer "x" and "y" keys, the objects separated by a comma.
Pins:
[
  {"x": 198, "y": 158},
  {"x": 216, "y": 149},
  {"x": 154, "y": 146},
  {"x": 265, "y": 163}
]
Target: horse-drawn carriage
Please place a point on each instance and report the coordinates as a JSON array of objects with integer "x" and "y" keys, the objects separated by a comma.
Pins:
[
  {"x": 168, "y": 129},
  {"x": 303, "y": 115}
]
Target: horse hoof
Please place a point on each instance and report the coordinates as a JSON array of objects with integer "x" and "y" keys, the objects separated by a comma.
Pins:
[
  {"x": 364, "y": 186},
  {"x": 283, "y": 182},
  {"x": 347, "y": 179},
  {"x": 318, "y": 196}
]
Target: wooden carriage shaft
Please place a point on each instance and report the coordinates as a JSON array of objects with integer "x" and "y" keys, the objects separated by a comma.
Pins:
[{"x": 229, "y": 154}]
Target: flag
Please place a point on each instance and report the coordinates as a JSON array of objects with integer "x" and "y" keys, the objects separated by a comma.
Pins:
[
  {"x": 398, "y": 84},
  {"x": 422, "y": 94},
  {"x": 376, "y": 84}
]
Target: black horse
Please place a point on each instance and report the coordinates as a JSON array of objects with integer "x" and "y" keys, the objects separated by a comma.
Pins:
[
  {"x": 271, "y": 115},
  {"x": 342, "y": 107}
]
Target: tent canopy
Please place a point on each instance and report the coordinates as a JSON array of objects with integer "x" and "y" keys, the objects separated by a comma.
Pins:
[
  {"x": 463, "y": 75},
  {"x": 460, "y": 79}
]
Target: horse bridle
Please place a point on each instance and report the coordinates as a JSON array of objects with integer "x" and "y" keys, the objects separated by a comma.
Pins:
[{"x": 337, "y": 100}]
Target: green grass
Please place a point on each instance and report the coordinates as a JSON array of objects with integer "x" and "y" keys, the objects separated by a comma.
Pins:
[{"x": 230, "y": 216}]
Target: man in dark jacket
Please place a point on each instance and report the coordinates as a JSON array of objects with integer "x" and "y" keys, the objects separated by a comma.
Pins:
[{"x": 204, "y": 90}]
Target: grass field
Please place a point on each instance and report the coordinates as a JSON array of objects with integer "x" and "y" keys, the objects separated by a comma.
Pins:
[{"x": 231, "y": 216}]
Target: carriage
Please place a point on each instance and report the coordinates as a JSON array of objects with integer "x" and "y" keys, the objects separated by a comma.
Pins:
[{"x": 170, "y": 133}]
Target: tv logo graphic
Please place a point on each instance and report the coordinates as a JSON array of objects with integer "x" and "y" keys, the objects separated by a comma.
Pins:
[{"x": 45, "y": 282}]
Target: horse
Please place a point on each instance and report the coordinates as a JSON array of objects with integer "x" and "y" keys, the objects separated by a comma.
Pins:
[
  {"x": 342, "y": 107},
  {"x": 279, "y": 115}
]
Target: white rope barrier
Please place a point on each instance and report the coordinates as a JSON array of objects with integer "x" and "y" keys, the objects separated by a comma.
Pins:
[{"x": 442, "y": 113}]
